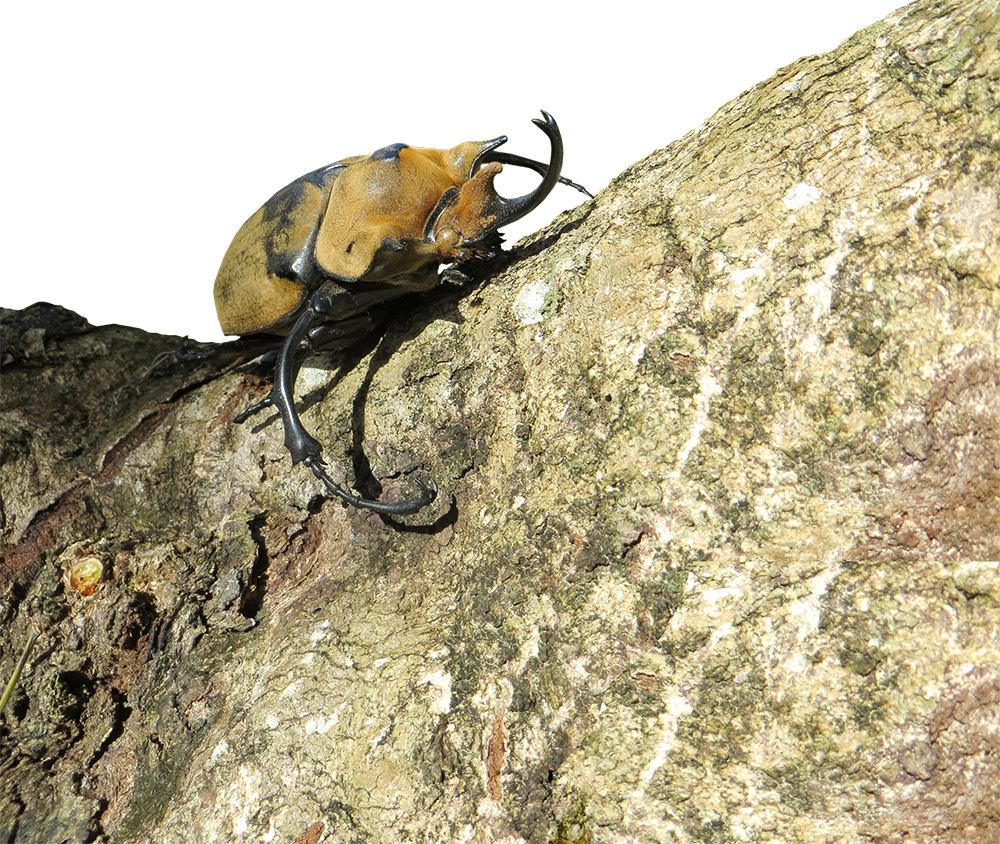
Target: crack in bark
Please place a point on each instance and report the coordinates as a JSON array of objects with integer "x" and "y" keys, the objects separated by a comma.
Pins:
[
  {"x": 115, "y": 457},
  {"x": 43, "y": 533},
  {"x": 256, "y": 585}
]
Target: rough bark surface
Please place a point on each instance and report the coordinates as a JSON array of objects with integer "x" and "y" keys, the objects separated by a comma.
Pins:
[{"x": 719, "y": 452}]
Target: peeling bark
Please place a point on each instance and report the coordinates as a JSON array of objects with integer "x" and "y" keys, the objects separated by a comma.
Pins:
[{"x": 719, "y": 452}]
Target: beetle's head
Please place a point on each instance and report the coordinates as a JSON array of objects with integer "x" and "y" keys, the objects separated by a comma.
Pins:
[
  {"x": 464, "y": 222},
  {"x": 401, "y": 208}
]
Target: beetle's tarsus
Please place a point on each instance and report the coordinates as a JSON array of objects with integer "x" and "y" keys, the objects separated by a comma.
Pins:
[
  {"x": 571, "y": 184},
  {"x": 254, "y": 409},
  {"x": 386, "y": 508},
  {"x": 184, "y": 355},
  {"x": 453, "y": 275}
]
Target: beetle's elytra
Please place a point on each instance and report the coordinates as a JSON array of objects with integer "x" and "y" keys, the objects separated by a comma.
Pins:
[{"x": 334, "y": 243}]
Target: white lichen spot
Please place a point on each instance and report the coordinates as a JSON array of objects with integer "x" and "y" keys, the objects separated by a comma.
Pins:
[
  {"x": 717, "y": 262},
  {"x": 529, "y": 649},
  {"x": 819, "y": 293},
  {"x": 805, "y": 612},
  {"x": 270, "y": 834},
  {"x": 676, "y": 707},
  {"x": 244, "y": 799},
  {"x": 380, "y": 737},
  {"x": 220, "y": 748},
  {"x": 745, "y": 314},
  {"x": 708, "y": 388},
  {"x": 801, "y": 195},
  {"x": 290, "y": 690},
  {"x": 320, "y": 633},
  {"x": 793, "y": 85},
  {"x": 321, "y": 725},
  {"x": 272, "y": 722},
  {"x": 810, "y": 345},
  {"x": 578, "y": 668},
  {"x": 439, "y": 691},
  {"x": 637, "y": 350},
  {"x": 915, "y": 187},
  {"x": 308, "y": 658},
  {"x": 311, "y": 378},
  {"x": 741, "y": 277},
  {"x": 723, "y": 631},
  {"x": 612, "y": 599},
  {"x": 531, "y": 301},
  {"x": 797, "y": 664},
  {"x": 712, "y": 598}
]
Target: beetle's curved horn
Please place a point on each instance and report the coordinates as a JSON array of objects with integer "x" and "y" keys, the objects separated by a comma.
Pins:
[{"x": 508, "y": 210}]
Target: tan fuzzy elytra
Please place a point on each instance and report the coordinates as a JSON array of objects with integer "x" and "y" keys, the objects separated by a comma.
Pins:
[{"x": 253, "y": 290}]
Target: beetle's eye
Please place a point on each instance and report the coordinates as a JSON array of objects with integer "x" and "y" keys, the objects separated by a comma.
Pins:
[{"x": 447, "y": 239}]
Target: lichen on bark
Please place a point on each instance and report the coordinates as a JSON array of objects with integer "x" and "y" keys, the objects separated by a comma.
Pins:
[{"x": 720, "y": 460}]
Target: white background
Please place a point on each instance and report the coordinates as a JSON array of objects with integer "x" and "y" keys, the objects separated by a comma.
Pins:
[{"x": 140, "y": 136}]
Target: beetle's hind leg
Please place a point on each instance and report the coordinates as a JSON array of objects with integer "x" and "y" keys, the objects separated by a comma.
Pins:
[{"x": 303, "y": 447}]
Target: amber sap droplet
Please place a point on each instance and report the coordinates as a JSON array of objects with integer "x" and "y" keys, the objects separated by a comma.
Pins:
[{"x": 85, "y": 574}]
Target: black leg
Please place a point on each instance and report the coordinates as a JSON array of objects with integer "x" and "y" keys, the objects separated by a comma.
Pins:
[
  {"x": 305, "y": 448},
  {"x": 394, "y": 508},
  {"x": 327, "y": 337},
  {"x": 254, "y": 409}
]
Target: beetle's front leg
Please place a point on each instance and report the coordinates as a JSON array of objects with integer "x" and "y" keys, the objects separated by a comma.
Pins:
[{"x": 305, "y": 448}]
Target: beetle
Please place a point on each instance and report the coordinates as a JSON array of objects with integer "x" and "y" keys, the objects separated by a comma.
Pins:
[{"x": 325, "y": 249}]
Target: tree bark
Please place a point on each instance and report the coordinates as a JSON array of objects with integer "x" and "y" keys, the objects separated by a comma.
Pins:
[{"x": 719, "y": 452}]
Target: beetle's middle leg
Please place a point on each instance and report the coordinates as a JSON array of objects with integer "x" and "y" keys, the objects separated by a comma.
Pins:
[
  {"x": 322, "y": 338},
  {"x": 329, "y": 300},
  {"x": 348, "y": 322}
]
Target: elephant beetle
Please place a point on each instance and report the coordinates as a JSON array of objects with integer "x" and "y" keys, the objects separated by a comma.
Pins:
[{"x": 326, "y": 248}]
